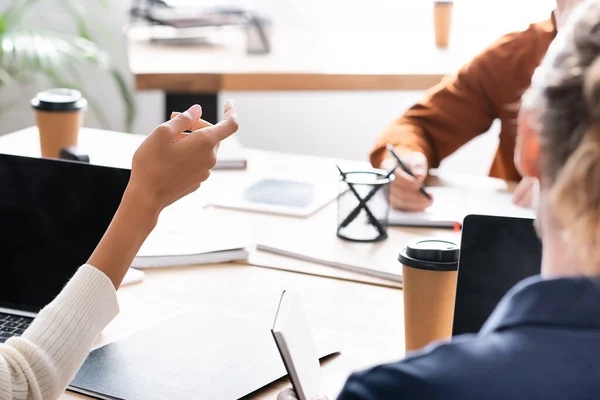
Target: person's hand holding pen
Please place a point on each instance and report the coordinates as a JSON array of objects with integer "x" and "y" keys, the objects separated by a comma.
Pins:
[{"x": 407, "y": 190}]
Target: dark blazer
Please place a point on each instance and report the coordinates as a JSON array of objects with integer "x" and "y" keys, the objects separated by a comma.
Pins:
[{"x": 542, "y": 342}]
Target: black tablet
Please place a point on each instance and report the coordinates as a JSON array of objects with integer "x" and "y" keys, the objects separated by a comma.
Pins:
[{"x": 496, "y": 253}]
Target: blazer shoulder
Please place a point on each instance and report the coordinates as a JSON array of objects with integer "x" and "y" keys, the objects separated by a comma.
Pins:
[{"x": 524, "y": 48}]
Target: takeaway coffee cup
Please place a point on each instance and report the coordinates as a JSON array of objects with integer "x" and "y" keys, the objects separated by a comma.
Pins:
[
  {"x": 429, "y": 269},
  {"x": 59, "y": 114},
  {"x": 442, "y": 20}
]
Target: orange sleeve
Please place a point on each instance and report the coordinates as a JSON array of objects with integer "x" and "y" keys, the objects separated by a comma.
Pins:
[{"x": 452, "y": 112}]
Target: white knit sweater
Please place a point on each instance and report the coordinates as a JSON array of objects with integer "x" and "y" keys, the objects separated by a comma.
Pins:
[{"x": 41, "y": 363}]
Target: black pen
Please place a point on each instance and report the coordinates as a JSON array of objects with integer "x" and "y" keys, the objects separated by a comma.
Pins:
[{"x": 407, "y": 170}]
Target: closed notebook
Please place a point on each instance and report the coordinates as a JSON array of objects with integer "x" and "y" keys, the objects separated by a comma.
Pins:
[
  {"x": 231, "y": 154},
  {"x": 188, "y": 235},
  {"x": 180, "y": 249},
  {"x": 328, "y": 258},
  {"x": 202, "y": 354}
]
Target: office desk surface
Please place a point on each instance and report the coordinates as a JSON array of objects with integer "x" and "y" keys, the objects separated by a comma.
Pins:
[
  {"x": 341, "y": 47},
  {"x": 364, "y": 320}
]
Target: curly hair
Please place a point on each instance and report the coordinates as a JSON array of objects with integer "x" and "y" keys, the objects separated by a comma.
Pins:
[{"x": 564, "y": 98}]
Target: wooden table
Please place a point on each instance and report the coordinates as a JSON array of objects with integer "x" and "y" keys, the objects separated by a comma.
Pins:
[
  {"x": 387, "y": 46},
  {"x": 365, "y": 320}
]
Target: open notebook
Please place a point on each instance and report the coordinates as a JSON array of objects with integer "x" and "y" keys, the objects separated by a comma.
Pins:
[{"x": 452, "y": 205}]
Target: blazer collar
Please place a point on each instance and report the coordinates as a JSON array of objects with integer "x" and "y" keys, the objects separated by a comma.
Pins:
[{"x": 566, "y": 302}]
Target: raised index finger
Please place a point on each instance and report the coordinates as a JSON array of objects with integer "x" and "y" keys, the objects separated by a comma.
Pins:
[{"x": 223, "y": 129}]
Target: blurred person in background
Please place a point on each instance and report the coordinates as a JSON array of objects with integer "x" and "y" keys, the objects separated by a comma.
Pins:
[{"x": 464, "y": 106}]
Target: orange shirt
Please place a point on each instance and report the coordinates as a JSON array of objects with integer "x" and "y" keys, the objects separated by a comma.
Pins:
[{"x": 465, "y": 105}]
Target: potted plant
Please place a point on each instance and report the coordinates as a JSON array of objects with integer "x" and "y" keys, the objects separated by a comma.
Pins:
[{"x": 28, "y": 54}]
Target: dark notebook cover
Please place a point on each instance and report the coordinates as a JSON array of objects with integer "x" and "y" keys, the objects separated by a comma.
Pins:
[{"x": 202, "y": 354}]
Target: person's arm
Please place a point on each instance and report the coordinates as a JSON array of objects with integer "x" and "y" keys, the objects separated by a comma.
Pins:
[
  {"x": 41, "y": 363},
  {"x": 453, "y": 112}
]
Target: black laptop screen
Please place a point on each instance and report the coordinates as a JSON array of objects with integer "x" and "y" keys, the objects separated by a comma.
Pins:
[
  {"x": 52, "y": 215},
  {"x": 496, "y": 253}
]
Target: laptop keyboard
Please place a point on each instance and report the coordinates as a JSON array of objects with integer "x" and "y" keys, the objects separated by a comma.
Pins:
[{"x": 12, "y": 325}]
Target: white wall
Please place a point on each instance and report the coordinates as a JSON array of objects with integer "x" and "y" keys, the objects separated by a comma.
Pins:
[{"x": 340, "y": 124}]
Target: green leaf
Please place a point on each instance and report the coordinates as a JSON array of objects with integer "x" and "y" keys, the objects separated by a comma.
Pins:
[
  {"x": 105, "y": 3},
  {"x": 15, "y": 13},
  {"x": 56, "y": 58},
  {"x": 89, "y": 28},
  {"x": 127, "y": 98},
  {"x": 5, "y": 77},
  {"x": 83, "y": 29}
]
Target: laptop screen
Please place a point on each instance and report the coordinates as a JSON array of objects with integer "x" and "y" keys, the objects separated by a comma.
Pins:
[
  {"x": 52, "y": 215},
  {"x": 495, "y": 254}
]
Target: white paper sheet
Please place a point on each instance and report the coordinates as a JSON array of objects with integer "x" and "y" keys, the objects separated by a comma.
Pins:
[{"x": 452, "y": 205}]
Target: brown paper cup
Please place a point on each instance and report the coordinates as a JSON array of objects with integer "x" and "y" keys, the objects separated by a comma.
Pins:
[
  {"x": 442, "y": 17},
  {"x": 59, "y": 115},
  {"x": 429, "y": 269},
  {"x": 58, "y": 130},
  {"x": 428, "y": 306}
]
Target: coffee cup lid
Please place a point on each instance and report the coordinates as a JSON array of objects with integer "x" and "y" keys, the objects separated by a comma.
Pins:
[
  {"x": 59, "y": 100},
  {"x": 431, "y": 255}
]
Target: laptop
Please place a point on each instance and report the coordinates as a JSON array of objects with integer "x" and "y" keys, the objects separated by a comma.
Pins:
[
  {"x": 52, "y": 215},
  {"x": 496, "y": 253}
]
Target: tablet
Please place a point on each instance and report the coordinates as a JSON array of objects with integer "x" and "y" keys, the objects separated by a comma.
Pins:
[
  {"x": 496, "y": 253},
  {"x": 280, "y": 196},
  {"x": 297, "y": 347}
]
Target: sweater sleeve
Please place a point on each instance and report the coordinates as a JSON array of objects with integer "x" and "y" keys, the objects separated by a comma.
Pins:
[
  {"x": 42, "y": 362},
  {"x": 457, "y": 109}
]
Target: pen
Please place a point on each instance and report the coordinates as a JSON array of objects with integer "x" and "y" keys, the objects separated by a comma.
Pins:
[{"x": 407, "y": 170}]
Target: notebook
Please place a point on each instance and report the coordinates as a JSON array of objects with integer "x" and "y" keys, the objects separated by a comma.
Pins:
[
  {"x": 451, "y": 205},
  {"x": 202, "y": 354},
  {"x": 180, "y": 249},
  {"x": 297, "y": 347},
  {"x": 188, "y": 235},
  {"x": 231, "y": 154},
  {"x": 392, "y": 274}
]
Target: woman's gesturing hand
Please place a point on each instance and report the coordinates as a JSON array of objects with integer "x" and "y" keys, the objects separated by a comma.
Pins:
[{"x": 166, "y": 168}]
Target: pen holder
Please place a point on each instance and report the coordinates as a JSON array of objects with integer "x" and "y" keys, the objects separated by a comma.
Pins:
[{"x": 363, "y": 206}]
